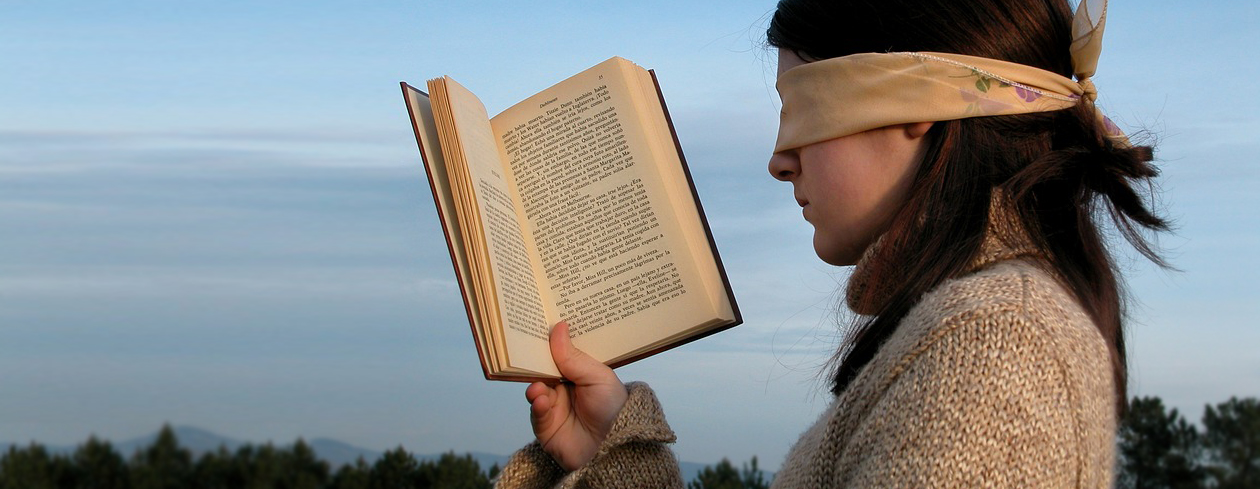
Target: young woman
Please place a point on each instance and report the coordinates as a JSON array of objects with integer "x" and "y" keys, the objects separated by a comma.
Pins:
[{"x": 946, "y": 150}]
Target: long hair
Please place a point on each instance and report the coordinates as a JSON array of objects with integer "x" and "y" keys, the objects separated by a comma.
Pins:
[{"x": 1060, "y": 171}]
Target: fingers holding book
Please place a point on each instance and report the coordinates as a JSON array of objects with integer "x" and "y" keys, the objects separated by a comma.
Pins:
[{"x": 572, "y": 418}]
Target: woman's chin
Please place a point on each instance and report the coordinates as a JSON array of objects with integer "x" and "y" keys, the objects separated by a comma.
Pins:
[{"x": 831, "y": 254}]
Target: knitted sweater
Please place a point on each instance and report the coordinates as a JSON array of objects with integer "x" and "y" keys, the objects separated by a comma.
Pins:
[{"x": 996, "y": 378}]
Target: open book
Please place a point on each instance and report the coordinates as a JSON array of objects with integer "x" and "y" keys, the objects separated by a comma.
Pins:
[{"x": 573, "y": 204}]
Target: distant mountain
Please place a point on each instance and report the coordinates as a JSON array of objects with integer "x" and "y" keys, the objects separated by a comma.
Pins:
[
  {"x": 336, "y": 453},
  {"x": 196, "y": 440}
]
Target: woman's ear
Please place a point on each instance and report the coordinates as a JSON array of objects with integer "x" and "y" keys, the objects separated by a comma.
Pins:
[{"x": 916, "y": 130}]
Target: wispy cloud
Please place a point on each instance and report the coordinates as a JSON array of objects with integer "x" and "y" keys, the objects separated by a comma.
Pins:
[{"x": 60, "y": 151}]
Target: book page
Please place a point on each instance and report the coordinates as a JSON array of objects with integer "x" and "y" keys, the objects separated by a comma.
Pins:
[
  {"x": 616, "y": 260},
  {"x": 521, "y": 311},
  {"x": 420, "y": 109},
  {"x": 682, "y": 194}
]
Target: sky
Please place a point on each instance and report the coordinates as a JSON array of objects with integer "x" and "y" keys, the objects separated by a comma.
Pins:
[{"x": 213, "y": 213}]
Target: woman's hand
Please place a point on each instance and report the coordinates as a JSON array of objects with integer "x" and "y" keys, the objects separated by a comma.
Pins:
[{"x": 572, "y": 418}]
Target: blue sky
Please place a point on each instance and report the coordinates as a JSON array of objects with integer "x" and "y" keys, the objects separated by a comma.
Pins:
[{"x": 213, "y": 213}]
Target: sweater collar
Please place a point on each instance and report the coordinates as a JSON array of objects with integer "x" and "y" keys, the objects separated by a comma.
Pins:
[{"x": 1004, "y": 239}]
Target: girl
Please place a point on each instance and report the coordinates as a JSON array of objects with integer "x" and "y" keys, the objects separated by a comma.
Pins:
[{"x": 943, "y": 148}]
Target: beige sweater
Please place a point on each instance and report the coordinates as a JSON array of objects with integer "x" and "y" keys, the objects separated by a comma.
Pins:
[{"x": 995, "y": 379}]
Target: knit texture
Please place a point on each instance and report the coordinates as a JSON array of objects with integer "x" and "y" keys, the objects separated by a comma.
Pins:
[
  {"x": 634, "y": 455},
  {"x": 997, "y": 378}
]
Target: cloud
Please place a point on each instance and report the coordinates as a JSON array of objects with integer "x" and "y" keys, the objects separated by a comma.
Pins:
[{"x": 62, "y": 151}]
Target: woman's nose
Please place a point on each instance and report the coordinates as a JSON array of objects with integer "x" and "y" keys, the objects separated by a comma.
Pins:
[{"x": 785, "y": 165}]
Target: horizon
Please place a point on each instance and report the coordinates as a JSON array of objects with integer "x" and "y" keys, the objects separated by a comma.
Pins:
[
  {"x": 339, "y": 454},
  {"x": 216, "y": 215},
  {"x": 182, "y": 432}
]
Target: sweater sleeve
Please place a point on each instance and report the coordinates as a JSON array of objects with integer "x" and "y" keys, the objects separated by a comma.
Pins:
[
  {"x": 635, "y": 454},
  {"x": 992, "y": 402}
]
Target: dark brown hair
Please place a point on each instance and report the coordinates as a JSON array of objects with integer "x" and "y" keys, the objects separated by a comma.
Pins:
[{"x": 1060, "y": 170}]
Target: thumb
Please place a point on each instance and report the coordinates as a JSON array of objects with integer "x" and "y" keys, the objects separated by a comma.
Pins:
[{"x": 574, "y": 364}]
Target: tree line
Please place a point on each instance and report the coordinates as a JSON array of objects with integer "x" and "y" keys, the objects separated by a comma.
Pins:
[
  {"x": 165, "y": 465},
  {"x": 1156, "y": 448}
]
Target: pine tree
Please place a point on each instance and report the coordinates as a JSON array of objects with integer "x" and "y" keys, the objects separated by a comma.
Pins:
[
  {"x": 28, "y": 468},
  {"x": 752, "y": 477},
  {"x": 720, "y": 476},
  {"x": 396, "y": 469},
  {"x": 99, "y": 466},
  {"x": 163, "y": 465},
  {"x": 1158, "y": 448},
  {"x": 453, "y": 472},
  {"x": 1232, "y": 440},
  {"x": 305, "y": 469},
  {"x": 217, "y": 470},
  {"x": 267, "y": 468},
  {"x": 357, "y": 476}
]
